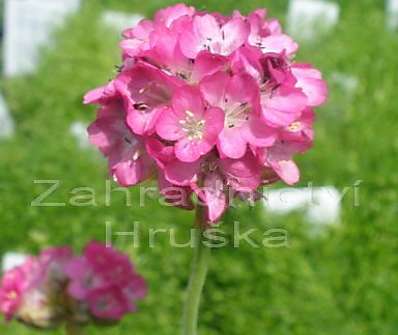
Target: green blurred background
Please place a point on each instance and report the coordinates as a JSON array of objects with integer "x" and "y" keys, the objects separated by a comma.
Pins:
[{"x": 343, "y": 281}]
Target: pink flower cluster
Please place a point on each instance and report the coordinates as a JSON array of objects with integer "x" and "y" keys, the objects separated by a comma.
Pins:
[
  {"x": 106, "y": 281},
  {"x": 206, "y": 103},
  {"x": 57, "y": 286}
]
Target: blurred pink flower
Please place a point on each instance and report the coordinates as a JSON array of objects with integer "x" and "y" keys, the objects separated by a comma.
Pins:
[{"x": 106, "y": 281}]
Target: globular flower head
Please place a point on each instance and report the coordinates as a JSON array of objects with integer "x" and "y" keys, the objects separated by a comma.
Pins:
[
  {"x": 57, "y": 286},
  {"x": 208, "y": 104}
]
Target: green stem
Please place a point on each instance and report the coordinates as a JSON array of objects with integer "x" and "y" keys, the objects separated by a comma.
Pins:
[{"x": 197, "y": 278}]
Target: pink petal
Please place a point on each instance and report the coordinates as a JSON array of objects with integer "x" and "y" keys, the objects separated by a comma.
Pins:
[
  {"x": 310, "y": 81},
  {"x": 132, "y": 172},
  {"x": 242, "y": 88},
  {"x": 188, "y": 98},
  {"x": 188, "y": 150},
  {"x": 258, "y": 133},
  {"x": 231, "y": 143},
  {"x": 170, "y": 14},
  {"x": 101, "y": 94},
  {"x": 180, "y": 173},
  {"x": 168, "y": 126},
  {"x": 214, "y": 87},
  {"x": 279, "y": 43},
  {"x": 243, "y": 174},
  {"x": 235, "y": 33},
  {"x": 214, "y": 124},
  {"x": 158, "y": 151},
  {"x": 284, "y": 107},
  {"x": 143, "y": 122},
  {"x": 190, "y": 43},
  {"x": 207, "y": 64},
  {"x": 287, "y": 170},
  {"x": 213, "y": 195}
]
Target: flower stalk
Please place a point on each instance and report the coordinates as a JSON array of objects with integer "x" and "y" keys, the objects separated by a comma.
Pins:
[{"x": 198, "y": 276}]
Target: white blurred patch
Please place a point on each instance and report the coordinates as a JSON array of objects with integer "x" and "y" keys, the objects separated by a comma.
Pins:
[
  {"x": 321, "y": 205},
  {"x": 347, "y": 82},
  {"x": 12, "y": 260},
  {"x": 120, "y": 21},
  {"x": 6, "y": 122},
  {"x": 28, "y": 25},
  {"x": 78, "y": 130},
  {"x": 306, "y": 19},
  {"x": 392, "y": 14}
]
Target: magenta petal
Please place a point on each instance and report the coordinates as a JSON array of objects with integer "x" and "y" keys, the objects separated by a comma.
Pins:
[
  {"x": 180, "y": 173},
  {"x": 132, "y": 172},
  {"x": 310, "y": 81},
  {"x": 259, "y": 134},
  {"x": 214, "y": 123},
  {"x": 188, "y": 150},
  {"x": 213, "y": 195},
  {"x": 287, "y": 170},
  {"x": 188, "y": 98},
  {"x": 207, "y": 64},
  {"x": 284, "y": 107},
  {"x": 143, "y": 122},
  {"x": 168, "y": 126},
  {"x": 231, "y": 143},
  {"x": 235, "y": 33},
  {"x": 279, "y": 43},
  {"x": 190, "y": 44},
  {"x": 214, "y": 88},
  {"x": 243, "y": 174}
]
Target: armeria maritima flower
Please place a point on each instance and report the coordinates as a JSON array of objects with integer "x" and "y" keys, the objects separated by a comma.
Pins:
[
  {"x": 57, "y": 287},
  {"x": 207, "y": 104}
]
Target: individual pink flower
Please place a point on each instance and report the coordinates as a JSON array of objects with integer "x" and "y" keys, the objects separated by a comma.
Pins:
[
  {"x": 145, "y": 90},
  {"x": 190, "y": 123},
  {"x": 238, "y": 97},
  {"x": 206, "y": 33},
  {"x": 128, "y": 161}
]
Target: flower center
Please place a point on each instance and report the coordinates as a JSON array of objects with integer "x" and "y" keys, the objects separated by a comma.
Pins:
[
  {"x": 294, "y": 127},
  {"x": 237, "y": 115},
  {"x": 192, "y": 127}
]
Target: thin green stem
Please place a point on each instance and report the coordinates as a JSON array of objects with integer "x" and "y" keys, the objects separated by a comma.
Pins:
[{"x": 198, "y": 277}]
